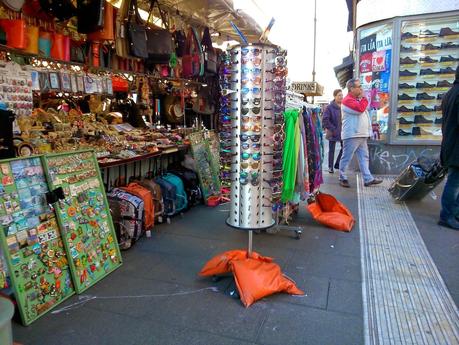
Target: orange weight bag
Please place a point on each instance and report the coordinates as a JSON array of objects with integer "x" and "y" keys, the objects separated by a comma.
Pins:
[
  {"x": 328, "y": 211},
  {"x": 221, "y": 263},
  {"x": 256, "y": 279},
  {"x": 144, "y": 194}
]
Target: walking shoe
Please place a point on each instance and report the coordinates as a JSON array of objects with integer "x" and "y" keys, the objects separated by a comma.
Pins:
[
  {"x": 407, "y": 49},
  {"x": 427, "y": 59},
  {"x": 344, "y": 183},
  {"x": 449, "y": 45},
  {"x": 438, "y": 120},
  {"x": 452, "y": 224},
  {"x": 416, "y": 131},
  {"x": 403, "y": 121},
  {"x": 448, "y": 58},
  {"x": 402, "y": 133},
  {"x": 422, "y": 109},
  {"x": 424, "y": 96},
  {"x": 372, "y": 182},
  {"x": 444, "y": 83},
  {"x": 429, "y": 46},
  {"x": 407, "y": 73},
  {"x": 427, "y": 33},
  {"x": 331, "y": 171},
  {"x": 404, "y": 109},
  {"x": 448, "y": 70},
  {"x": 336, "y": 166},
  {"x": 424, "y": 132},
  {"x": 421, "y": 119},
  {"x": 438, "y": 132},
  {"x": 407, "y": 61},
  {"x": 405, "y": 86},
  {"x": 424, "y": 85},
  {"x": 447, "y": 32},
  {"x": 428, "y": 71},
  {"x": 408, "y": 35},
  {"x": 405, "y": 97},
  {"x": 440, "y": 96}
]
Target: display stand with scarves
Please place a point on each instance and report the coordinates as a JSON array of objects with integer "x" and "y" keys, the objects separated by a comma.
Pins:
[{"x": 54, "y": 251}]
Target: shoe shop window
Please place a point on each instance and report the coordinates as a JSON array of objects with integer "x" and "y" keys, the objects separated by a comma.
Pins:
[
  {"x": 375, "y": 52},
  {"x": 429, "y": 54}
]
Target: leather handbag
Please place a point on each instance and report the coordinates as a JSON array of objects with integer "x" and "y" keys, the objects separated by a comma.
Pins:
[
  {"x": 44, "y": 43},
  {"x": 60, "y": 47},
  {"x": 137, "y": 34},
  {"x": 180, "y": 43},
  {"x": 107, "y": 32},
  {"x": 90, "y": 15},
  {"x": 159, "y": 40},
  {"x": 191, "y": 61},
  {"x": 32, "y": 33},
  {"x": 61, "y": 9},
  {"x": 119, "y": 84},
  {"x": 15, "y": 30},
  {"x": 77, "y": 51},
  {"x": 14, "y": 5},
  {"x": 210, "y": 56},
  {"x": 121, "y": 41}
]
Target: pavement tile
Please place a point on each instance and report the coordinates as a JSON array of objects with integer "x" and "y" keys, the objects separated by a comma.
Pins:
[
  {"x": 347, "y": 246},
  {"x": 292, "y": 324},
  {"x": 345, "y": 296}
]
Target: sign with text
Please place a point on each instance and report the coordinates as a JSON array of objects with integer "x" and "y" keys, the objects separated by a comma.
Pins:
[{"x": 308, "y": 88}]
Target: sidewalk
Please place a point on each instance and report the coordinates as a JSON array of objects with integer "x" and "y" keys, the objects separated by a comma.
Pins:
[{"x": 156, "y": 297}]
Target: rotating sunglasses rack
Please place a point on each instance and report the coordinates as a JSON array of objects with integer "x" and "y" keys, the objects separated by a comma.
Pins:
[{"x": 253, "y": 101}]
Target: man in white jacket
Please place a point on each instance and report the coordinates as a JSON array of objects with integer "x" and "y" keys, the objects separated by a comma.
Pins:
[{"x": 355, "y": 131}]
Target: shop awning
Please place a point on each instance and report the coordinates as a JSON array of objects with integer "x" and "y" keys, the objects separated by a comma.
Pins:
[
  {"x": 217, "y": 14},
  {"x": 345, "y": 71}
]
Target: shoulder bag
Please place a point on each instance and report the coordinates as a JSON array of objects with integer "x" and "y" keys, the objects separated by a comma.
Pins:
[
  {"x": 159, "y": 40},
  {"x": 107, "y": 32},
  {"x": 90, "y": 15},
  {"x": 121, "y": 41},
  {"x": 137, "y": 34},
  {"x": 210, "y": 56},
  {"x": 191, "y": 61}
]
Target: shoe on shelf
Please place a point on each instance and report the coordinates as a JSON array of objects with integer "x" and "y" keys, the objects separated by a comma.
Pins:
[
  {"x": 416, "y": 131},
  {"x": 428, "y": 71},
  {"x": 438, "y": 120},
  {"x": 407, "y": 49},
  {"x": 440, "y": 96},
  {"x": 331, "y": 171},
  {"x": 427, "y": 33},
  {"x": 448, "y": 58},
  {"x": 422, "y": 109},
  {"x": 405, "y": 97},
  {"x": 408, "y": 35},
  {"x": 407, "y": 61},
  {"x": 452, "y": 223},
  {"x": 424, "y": 132},
  {"x": 424, "y": 96},
  {"x": 424, "y": 85},
  {"x": 344, "y": 183},
  {"x": 405, "y": 86},
  {"x": 373, "y": 182},
  {"x": 448, "y": 45},
  {"x": 437, "y": 108},
  {"x": 448, "y": 70},
  {"x": 429, "y": 46},
  {"x": 444, "y": 83},
  {"x": 406, "y": 73},
  {"x": 404, "y": 109},
  {"x": 403, "y": 121},
  {"x": 419, "y": 119},
  {"x": 402, "y": 133},
  {"x": 447, "y": 32},
  {"x": 427, "y": 59}
]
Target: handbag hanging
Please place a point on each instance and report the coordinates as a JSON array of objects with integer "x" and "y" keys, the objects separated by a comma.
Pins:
[
  {"x": 121, "y": 41},
  {"x": 78, "y": 51},
  {"x": 107, "y": 32},
  {"x": 191, "y": 61},
  {"x": 62, "y": 9},
  {"x": 180, "y": 43},
  {"x": 210, "y": 56},
  {"x": 159, "y": 40},
  {"x": 15, "y": 30},
  {"x": 32, "y": 33},
  {"x": 90, "y": 15},
  {"x": 60, "y": 46},
  {"x": 136, "y": 33}
]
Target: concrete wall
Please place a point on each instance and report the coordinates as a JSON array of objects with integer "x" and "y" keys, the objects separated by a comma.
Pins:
[{"x": 392, "y": 159}]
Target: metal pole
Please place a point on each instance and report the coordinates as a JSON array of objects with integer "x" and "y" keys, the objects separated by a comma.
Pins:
[
  {"x": 314, "y": 50},
  {"x": 249, "y": 247}
]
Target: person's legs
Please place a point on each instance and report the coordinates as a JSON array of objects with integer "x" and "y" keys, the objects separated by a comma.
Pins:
[
  {"x": 364, "y": 160},
  {"x": 349, "y": 147},
  {"x": 450, "y": 197},
  {"x": 339, "y": 155},
  {"x": 331, "y": 154}
]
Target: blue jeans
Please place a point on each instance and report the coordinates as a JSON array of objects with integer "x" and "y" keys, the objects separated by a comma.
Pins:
[
  {"x": 360, "y": 147},
  {"x": 450, "y": 196}
]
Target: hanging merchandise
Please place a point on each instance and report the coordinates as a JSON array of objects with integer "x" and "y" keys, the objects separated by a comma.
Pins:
[
  {"x": 137, "y": 33},
  {"x": 16, "y": 89},
  {"x": 192, "y": 63},
  {"x": 62, "y": 9},
  {"x": 15, "y": 30},
  {"x": 31, "y": 240},
  {"x": 91, "y": 15},
  {"x": 159, "y": 40},
  {"x": 107, "y": 31},
  {"x": 121, "y": 29},
  {"x": 84, "y": 217},
  {"x": 257, "y": 73},
  {"x": 210, "y": 56}
]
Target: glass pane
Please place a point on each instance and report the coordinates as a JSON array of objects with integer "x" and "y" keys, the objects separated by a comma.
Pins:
[
  {"x": 429, "y": 54},
  {"x": 374, "y": 72}
]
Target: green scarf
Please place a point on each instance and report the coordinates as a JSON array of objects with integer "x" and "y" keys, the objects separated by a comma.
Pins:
[{"x": 290, "y": 154}]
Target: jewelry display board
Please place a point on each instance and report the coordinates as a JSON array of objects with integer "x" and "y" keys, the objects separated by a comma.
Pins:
[
  {"x": 254, "y": 81},
  {"x": 205, "y": 150},
  {"x": 429, "y": 54},
  {"x": 84, "y": 217},
  {"x": 31, "y": 240}
]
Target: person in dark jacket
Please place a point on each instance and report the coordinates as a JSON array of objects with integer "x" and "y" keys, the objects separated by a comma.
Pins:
[
  {"x": 332, "y": 125},
  {"x": 449, "y": 155}
]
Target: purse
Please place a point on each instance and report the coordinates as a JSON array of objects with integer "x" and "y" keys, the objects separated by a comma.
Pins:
[
  {"x": 107, "y": 32},
  {"x": 32, "y": 33},
  {"x": 15, "y": 30},
  {"x": 77, "y": 51},
  {"x": 159, "y": 40},
  {"x": 90, "y": 15},
  {"x": 44, "y": 43},
  {"x": 121, "y": 42},
  {"x": 180, "y": 43},
  {"x": 210, "y": 56},
  {"x": 60, "y": 47},
  {"x": 137, "y": 35},
  {"x": 119, "y": 84},
  {"x": 62, "y": 9},
  {"x": 191, "y": 61}
]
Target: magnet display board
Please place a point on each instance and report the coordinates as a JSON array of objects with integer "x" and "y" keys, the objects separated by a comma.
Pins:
[
  {"x": 31, "y": 241},
  {"x": 84, "y": 217}
]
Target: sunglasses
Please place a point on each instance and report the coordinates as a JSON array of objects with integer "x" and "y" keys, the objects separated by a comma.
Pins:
[
  {"x": 253, "y": 51},
  {"x": 247, "y": 119},
  {"x": 255, "y": 156},
  {"x": 254, "y": 165},
  {"x": 255, "y": 60},
  {"x": 255, "y": 101},
  {"x": 247, "y": 146},
  {"x": 255, "y": 70},
  {"x": 254, "y": 128},
  {"x": 255, "y": 110},
  {"x": 255, "y": 81},
  {"x": 254, "y": 137},
  {"x": 254, "y": 90}
]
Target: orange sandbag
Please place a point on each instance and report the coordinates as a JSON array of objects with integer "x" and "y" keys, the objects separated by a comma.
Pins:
[
  {"x": 256, "y": 279},
  {"x": 332, "y": 213},
  {"x": 221, "y": 263}
]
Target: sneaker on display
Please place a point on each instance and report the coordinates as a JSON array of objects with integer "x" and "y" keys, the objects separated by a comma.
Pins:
[
  {"x": 402, "y": 133},
  {"x": 404, "y": 109},
  {"x": 408, "y": 49},
  {"x": 427, "y": 59},
  {"x": 408, "y": 35},
  {"x": 405, "y": 86},
  {"x": 438, "y": 120},
  {"x": 422, "y": 109},
  {"x": 448, "y": 58},
  {"x": 424, "y": 85},
  {"x": 429, "y": 46},
  {"x": 444, "y": 83},
  {"x": 419, "y": 119},
  {"x": 407, "y": 61},
  {"x": 403, "y": 121},
  {"x": 448, "y": 32},
  {"x": 424, "y": 96},
  {"x": 416, "y": 131},
  {"x": 449, "y": 45},
  {"x": 406, "y": 73},
  {"x": 448, "y": 70},
  {"x": 428, "y": 71},
  {"x": 405, "y": 97}
]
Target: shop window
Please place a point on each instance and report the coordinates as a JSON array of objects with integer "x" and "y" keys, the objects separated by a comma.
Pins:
[
  {"x": 375, "y": 52},
  {"x": 429, "y": 54}
]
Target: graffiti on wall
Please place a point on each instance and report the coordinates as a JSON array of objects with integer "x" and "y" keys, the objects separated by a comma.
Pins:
[{"x": 391, "y": 161}]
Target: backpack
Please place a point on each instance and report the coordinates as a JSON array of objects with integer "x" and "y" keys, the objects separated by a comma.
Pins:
[
  {"x": 191, "y": 183},
  {"x": 157, "y": 196},
  {"x": 181, "y": 196},
  {"x": 145, "y": 194},
  {"x": 127, "y": 212}
]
